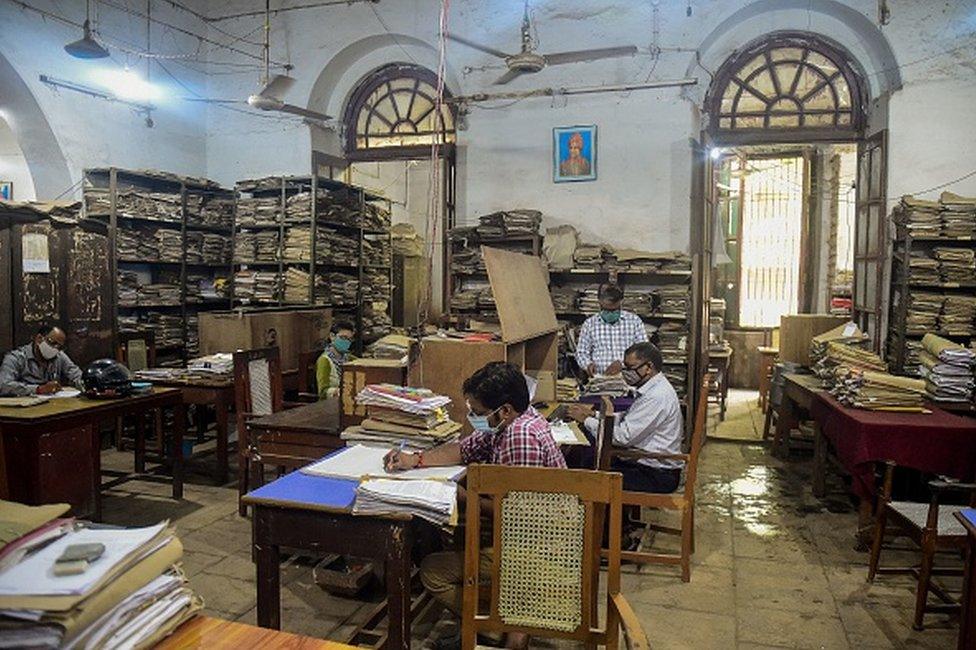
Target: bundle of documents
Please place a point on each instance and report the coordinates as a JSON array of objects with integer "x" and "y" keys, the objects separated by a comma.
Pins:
[
  {"x": 333, "y": 247},
  {"x": 297, "y": 285},
  {"x": 136, "y": 244},
  {"x": 170, "y": 244},
  {"x": 589, "y": 256},
  {"x": 921, "y": 218},
  {"x": 923, "y": 311},
  {"x": 912, "y": 363},
  {"x": 467, "y": 261},
  {"x": 567, "y": 390},
  {"x": 128, "y": 287},
  {"x": 256, "y": 285},
  {"x": 878, "y": 391},
  {"x": 377, "y": 321},
  {"x": 640, "y": 303},
  {"x": 435, "y": 501},
  {"x": 414, "y": 417},
  {"x": 956, "y": 264},
  {"x": 509, "y": 223},
  {"x": 336, "y": 288},
  {"x": 258, "y": 211},
  {"x": 192, "y": 334},
  {"x": 839, "y": 350},
  {"x": 958, "y": 315},
  {"x": 678, "y": 376},
  {"x": 673, "y": 300},
  {"x": 406, "y": 241},
  {"x": 376, "y": 251},
  {"x": 958, "y": 215},
  {"x": 266, "y": 246},
  {"x": 486, "y": 299},
  {"x": 672, "y": 341},
  {"x": 922, "y": 268},
  {"x": 465, "y": 299},
  {"x": 132, "y": 596},
  {"x": 563, "y": 298},
  {"x": 589, "y": 301},
  {"x": 298, "y": 244},
  {"x": 244, "y": 246},
  {"x": 391, "y": 346},
  {"x": 215, "y": 212},
  {"x": 419, "y": 402},
  {"x": 610, "y": 385},
  {"x": 947, "y": 368}
]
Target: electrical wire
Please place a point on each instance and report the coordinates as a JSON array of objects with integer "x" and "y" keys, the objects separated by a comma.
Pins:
[{"x": 387, "y": 29}]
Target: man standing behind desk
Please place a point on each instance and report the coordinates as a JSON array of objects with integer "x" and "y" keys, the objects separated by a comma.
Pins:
[
  {"x": 605, "y": 336},
  {"x": 507, "y": 431},
  {"x": 39, "y": 367},
  {"x": 328, "y": 368}
]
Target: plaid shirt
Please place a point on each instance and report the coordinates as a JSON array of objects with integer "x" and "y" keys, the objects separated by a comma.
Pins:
[
  {"x": 526, "y": 441},
  {"x": 601, "y": 343}
]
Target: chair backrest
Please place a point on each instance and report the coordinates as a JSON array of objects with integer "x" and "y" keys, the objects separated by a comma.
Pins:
[
  {"x": 547, "y": 532},
  {"x": 136, "y": 350},
  {"x": 257, "y": 381},
  {"x": 307, "y": 380}
]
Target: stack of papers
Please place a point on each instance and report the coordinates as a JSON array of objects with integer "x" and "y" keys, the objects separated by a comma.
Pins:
[
  {"x": 835, "y": 352},
  {"x": 878, "y": 391},
  {"x": 131, "y": 596},
  {"x": 958, "y": 314},
  {"x": 956, "y": 264},
  {"x": 391, "y": 346},
  {"x": 414, "y": 418},
  {"x": 610, "y": 385},
  {"x": 435, "y": 501},
  {"x": 920, "y": 218},
  {"x": 947, "y": 368},
  {"x": 923, "y": 311},
  {"x": 567, "y": 390},
  {"x": 923, "y": 269},
  {"x": 958, "y": 215}
]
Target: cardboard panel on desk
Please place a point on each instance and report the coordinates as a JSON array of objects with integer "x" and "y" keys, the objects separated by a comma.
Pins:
[
  {"x": 358, "y": 373},
  {"x": 296, "y": 330},
  {"x": 520, "y": 285},
  {"x": 797, "y": 330},
  {"x": 446, "y": 363}
]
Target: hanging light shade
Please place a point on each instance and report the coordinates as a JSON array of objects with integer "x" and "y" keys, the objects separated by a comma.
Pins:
[{"x": 86, "y": 47}]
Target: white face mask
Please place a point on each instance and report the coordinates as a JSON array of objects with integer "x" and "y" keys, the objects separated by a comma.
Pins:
[{"x": 48, "y": 351}]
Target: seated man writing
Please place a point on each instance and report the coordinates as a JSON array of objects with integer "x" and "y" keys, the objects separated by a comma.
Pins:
[
  {"x": 507, "y": 431},
  {"x": 652, "y": 424},
  {"x": 39, "y": 367}
]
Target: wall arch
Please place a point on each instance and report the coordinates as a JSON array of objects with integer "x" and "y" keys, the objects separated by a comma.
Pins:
[{"x": 47, "y": 163}]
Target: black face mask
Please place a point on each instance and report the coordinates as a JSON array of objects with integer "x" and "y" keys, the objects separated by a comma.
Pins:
[{"x": 631, "y": 375}]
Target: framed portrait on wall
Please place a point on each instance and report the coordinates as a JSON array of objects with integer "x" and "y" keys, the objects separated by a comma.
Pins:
[
  {"x": 574, "y": 153},
  {"x": 7, "y": 190}
]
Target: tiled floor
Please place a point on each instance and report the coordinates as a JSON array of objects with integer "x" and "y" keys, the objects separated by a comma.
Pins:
[{"x": 774, "y": 566}]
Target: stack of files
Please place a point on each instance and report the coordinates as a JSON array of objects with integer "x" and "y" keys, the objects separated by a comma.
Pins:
[
  {"x": 376, "y": 217},
  {"x": 589, "y": 302},
  {"x": 847, "y": 334},
  {"x": 376, "y": 252},
  {"x": 215, "y": 248},
  {"x": 414, "y": 404},
  {"x": 218, "y": 213},
  {"x": 335, "y": 288},
  {"x": 958, "y": 215},
  {"x": 913, "y": 358},
  {"x": 563, "y": 298},
  {"x": 467, "y": 261},
  {"x": 878, "y": 391},
  {"x": 128, "y": 288},
  {"x": 336, "y": 207},
  {"x": 948, "y": 369},
  {"x": 921, "y": 218},
  {"x": 266, "y": 246},
  {"x": 567, "y": 390},
  {"x": 373, "y": 431},
  {"x": 192, "y": 334},
  {"x": 406, "y": 241},
  {"x": 466, "y": 235},
  {"x": 465, "y": 299},
  {"x": 194, "y": 247},
  {"x": 159, "y": 206},
  {"x": 674, "y": 262},
  {"x": 256, "y": 285},
  {"x": 169, "y": 244},
  {"x": 391, "y": 346},
  {"x": 486, "y": 299},
  {"x": 258, "y": 211},
  {"x": 298, "y": 207},
  {"x": 167, "y": 328},
  {"x": 332, "y": 247},
  {"x": 678, "y": 376},
  {"x": 297, "y": 285},
  {"x": 589, "y": 256},
  {"x": 435, "y": 501},
  {"x": 137, "y": 244},
  {"x": 640, "y": 303},
  {"x": 194, "y": 281},
  {"x": 958, "y": 315},
  {"x": 377, "y": 321},
  {"x": 509, "y": 223},
  {"x": 376, "y": 285},
  {"x": 131, "y": 597},
  {"x": 922, "y": 268},
  {"x": 159, "y": 294},
  {"x": 956, "y": 264},
  {"x": 672, "y": 341},
  {"x": 219, "y": 364},
  {"x": 923, "y": 311},
  {"x": 298, "y": 244},
  {"x": 244, "y": 247},
  {"x": 673, "y": 300},
  {"x": 840, "y": 358},
  {"x": 610, "y": 385}
]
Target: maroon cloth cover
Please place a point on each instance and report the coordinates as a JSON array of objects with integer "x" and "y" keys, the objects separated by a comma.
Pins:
[{"x": 937, "y": 442}]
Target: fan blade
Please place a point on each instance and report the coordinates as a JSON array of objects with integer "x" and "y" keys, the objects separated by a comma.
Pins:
[
  {"x": 304, "y": 112},
  {"x": 478, "y": 46},
  {"x": 508, "y": 76},
  {"x": 581, "y": 56},
  {"x": 277, "y": 86},
  {"x": 207, "y": 100}
]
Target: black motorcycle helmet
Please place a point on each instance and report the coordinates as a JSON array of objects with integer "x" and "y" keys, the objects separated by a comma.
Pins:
[{"x": 107, "y": 378}]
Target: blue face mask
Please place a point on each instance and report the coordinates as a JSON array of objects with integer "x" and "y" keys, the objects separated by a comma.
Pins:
[
  {"x": 610, "y": 316},
  {"x": 342, "y": 345},
  {"x": 480, "y": 422}
]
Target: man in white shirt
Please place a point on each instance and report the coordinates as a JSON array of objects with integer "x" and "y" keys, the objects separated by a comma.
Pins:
[
  {"x": 605, "y": 336},
  {"x": 652, "y": 424}
]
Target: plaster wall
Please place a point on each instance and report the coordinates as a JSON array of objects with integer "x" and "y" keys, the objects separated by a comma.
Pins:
[{"x": 13, "y": 166}]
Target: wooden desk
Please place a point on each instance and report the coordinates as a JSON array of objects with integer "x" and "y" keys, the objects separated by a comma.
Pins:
[
  {"x": 718, "y": 362},
  {"x": 967, "y": 622},
  {"x": 293, "y": 438},
  {"x": 314, "y": 513},
  {"x": 206, "y": 633},
  {"x": 218, "y": 393},
  {"x": 44, "y": 447},
  {"x": 767, "y": 358},
  {"x": 798, "y": 392}
]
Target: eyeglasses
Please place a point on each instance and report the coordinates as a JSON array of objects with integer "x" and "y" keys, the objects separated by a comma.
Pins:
[
  {"x": 637, "y": 367},
  {"x": 53, "y": 343}
]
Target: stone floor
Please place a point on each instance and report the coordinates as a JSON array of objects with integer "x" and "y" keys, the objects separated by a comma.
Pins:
[{"x": 774, "y": 567}]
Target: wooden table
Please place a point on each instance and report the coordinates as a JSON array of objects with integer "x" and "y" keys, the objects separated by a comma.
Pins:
[
  {"x": 314, "y": 513},
  {"x": 967, "y": 623},
  {"x": 45, "y": 447},
  {"x": 718, "y": 362},
  {"x": 218, "y": 393},
  {"x": 767, "y": 359},
  {"x": 293, "y": 437},
  {"x": 206, "y": 633},
  {"x": 798, "y": 392}
]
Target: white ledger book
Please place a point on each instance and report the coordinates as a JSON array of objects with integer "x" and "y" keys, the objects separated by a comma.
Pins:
[{"x": 362, "y": 461}]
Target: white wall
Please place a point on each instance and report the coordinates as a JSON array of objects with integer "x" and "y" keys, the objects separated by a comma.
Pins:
[{"x": 13, "y": 166}]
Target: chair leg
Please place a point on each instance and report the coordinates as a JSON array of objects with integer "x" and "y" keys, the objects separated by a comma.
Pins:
[
  {"x": 691, "y": 509},
  {"x": 767, "y": 422},
  {"x": 687, "y": 523},
  {"x": 924, "y": 577},
  {"x": 119, "y": 429},
  {"x": 880, "y": 524}
]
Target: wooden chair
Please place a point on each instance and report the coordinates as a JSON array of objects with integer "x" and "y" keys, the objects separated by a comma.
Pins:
[
  {"x": 137, "y": 351},
  {"x": 933, "y": 528},
  {"x": 308, "y": 389},
  {"x": 545, "y": 557},
  {"x": 683, "y": 500}
]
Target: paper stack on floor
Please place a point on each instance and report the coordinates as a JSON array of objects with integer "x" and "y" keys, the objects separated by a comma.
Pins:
[
  {"x": 413, "y": 417},
  {"x": 130, "y": 597},
  {"x": 947, "y": 368},
  {"x": 878, "y": 391}
]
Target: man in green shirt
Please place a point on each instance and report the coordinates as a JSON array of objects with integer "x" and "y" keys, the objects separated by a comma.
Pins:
[{"x": 328, "y": 368}]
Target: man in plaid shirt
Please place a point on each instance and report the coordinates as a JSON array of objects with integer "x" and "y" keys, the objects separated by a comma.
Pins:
[
  {"x": 507, "y": 431},
  {"x": 605, "y": 337}
]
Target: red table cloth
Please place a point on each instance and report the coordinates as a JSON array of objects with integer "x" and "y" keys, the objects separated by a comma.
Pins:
[{"x": 937, "y": 442}]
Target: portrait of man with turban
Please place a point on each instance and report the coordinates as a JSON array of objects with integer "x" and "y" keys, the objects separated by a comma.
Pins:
[{"x": 575, "y": 149}]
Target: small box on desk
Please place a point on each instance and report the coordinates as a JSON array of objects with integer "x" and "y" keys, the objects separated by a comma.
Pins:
[
  {"x": 356, "y": 374},
  {"x": 797, "y": 330}
]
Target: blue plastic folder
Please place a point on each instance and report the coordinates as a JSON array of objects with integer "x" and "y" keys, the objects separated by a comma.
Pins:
[
  {"x": 970, "y": 514},
  {"x": 304, "y": 491}
]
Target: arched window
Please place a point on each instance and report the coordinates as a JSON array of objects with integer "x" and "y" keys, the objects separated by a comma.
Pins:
[
  {"x": 787, "y": 82},
  {"x": 394, "y": 110}
]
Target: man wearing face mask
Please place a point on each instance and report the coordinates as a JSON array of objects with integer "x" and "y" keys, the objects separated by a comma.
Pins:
[
  {"x": 507, "y": 431},
  {"x": 652, "y": 424},
  {"x": 605, "y": 336},
  {"x": 40, "y": 367},
  {"x": 328, "y": 368}
]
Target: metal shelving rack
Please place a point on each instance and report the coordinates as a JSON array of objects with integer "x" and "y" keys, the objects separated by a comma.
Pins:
[
  {"x": 902, "y": 286},
  {"x": 113, "y": 180}
]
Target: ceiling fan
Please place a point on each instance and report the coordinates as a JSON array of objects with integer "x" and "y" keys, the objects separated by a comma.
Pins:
[
  {"x": 528, "y": 61},
  {"x": 273, "y": 88}
]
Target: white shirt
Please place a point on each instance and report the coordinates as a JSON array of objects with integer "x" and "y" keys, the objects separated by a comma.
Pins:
[
  {"x": 601, "y": 343},
  {"x": 653, "y": 423}
]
